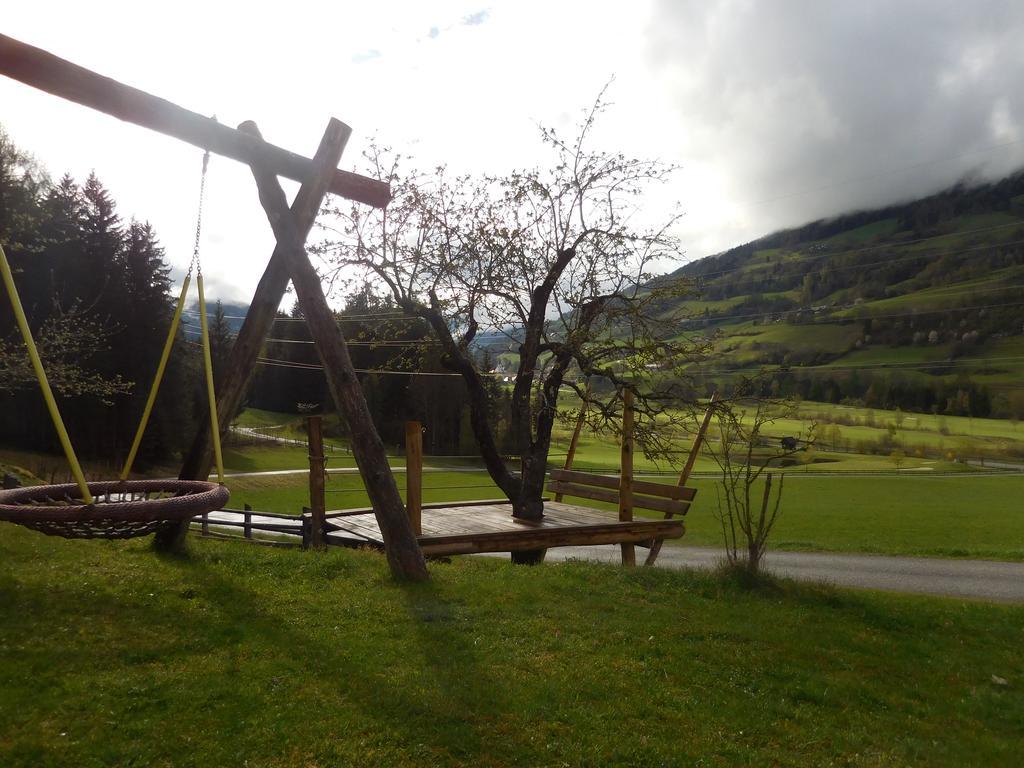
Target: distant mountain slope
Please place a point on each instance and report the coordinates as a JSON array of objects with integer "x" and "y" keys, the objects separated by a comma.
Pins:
[
  {"x": 234, "y": 314},
  {"x": 918, "y": 306}
]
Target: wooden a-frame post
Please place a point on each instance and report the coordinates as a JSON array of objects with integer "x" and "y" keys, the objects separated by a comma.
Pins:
[{"x": 400, "y": 545}]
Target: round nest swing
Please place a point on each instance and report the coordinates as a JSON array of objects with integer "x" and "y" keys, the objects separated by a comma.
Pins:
[
  {"x": 116, "y": 509},
  {"x": 121, "y": 509}
]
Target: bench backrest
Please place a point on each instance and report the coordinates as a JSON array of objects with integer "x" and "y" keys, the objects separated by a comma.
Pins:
[{"x": 670, "y": 499}]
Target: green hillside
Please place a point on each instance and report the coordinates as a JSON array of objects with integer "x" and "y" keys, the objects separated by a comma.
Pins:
[{"x": 918, "y": 306}]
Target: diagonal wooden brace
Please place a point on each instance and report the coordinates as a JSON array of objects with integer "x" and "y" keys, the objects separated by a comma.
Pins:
[{"x": 400, "y": 545}]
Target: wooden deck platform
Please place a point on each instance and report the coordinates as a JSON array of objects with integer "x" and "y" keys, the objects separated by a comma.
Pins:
[{"x": 488, "y": 526}]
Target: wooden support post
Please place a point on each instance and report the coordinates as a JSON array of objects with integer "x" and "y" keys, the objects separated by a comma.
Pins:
[
  {"x": 626, "y": 473},
  {"x": 414, "y": 475},
  {"x": 307, "y": 527},
  {"x": 570, "y": 455},
  {"x": 258, "y": 320},
  {"x": 41, "y": 69},
  {"x": 317, "y": 498},
  {"x": 698, "y": 441},
  {"x": 403, "y": 552},
  {"x": 206, "y": 523},
  {"x": 247, "y": 521}
]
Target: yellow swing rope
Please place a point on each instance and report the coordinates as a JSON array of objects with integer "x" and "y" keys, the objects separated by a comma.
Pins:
[
  {"x": 44, "y": 384},
  {"x": 172, "y": 333},
  {"x": 211, "y": 395},
  {"x": 169, "y": 343}
]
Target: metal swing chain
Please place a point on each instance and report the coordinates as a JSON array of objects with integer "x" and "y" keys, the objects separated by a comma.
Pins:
[
  {"x": 204, "y": 326},
  {"x": 195, "y": 263}
]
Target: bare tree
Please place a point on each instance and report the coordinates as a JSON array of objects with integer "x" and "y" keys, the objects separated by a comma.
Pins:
[
  {"x": 558, "y": 262},
  {"x": 744, "y": 454},
  {"x": 66, "y": 342}
]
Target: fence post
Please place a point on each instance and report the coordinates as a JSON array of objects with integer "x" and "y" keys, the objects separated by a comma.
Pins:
[
  {"x": 206, "y": 523},
  {"x": 626, "y": 473},
  {"x": 414, "y": 475},
  {"x": 307, "y": 527},
  {"x": 247, "y": 521},
  {"x": 570, "y": 455},
  {"x": 317, "y": 499}
]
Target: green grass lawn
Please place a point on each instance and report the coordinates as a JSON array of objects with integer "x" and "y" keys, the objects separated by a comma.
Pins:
[
  {"x": 955, "y": 426},
  {"x": 238, "y": 655},
  {"x": 908, "y": 515},
  {"x": 289, "y": 493},
  {"x": 263, "y": 457},
  {"x": 865, "y": 234},
  {"x": 256, "y": 417},
  {"x": 976, "y": 517}
]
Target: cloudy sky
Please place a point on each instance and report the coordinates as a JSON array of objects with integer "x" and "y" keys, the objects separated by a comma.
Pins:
[{"x": 778, "y": 112}]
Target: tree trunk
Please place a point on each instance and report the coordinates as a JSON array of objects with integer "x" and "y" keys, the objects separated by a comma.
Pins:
[
  {"x": 529, "y": 556},
  {"x": 403, "y": 551},
  {"x": 528, "y": 503}
]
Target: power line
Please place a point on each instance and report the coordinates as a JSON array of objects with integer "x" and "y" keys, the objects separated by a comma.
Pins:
[
  {"x": 375, "y": 371},
  {"x": 339, "y": 318},
  {"x": 391, "y": 343},
  {"x": 386, "y": 343},
  {"x": 1010, "y": 362}
]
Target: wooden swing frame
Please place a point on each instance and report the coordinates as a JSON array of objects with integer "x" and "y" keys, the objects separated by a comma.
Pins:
[{"x": 289, "y": 261}]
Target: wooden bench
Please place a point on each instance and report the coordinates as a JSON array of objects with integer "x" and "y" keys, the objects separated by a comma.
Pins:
[
  {"x": 624, "y": 491},
  {"x": 671, "y": 499},
  {"x": 627, "y": 494}
]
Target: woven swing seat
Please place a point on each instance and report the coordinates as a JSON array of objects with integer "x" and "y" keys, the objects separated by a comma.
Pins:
[{"x": 120, "y": 509}]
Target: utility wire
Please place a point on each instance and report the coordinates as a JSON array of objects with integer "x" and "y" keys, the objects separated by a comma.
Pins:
[
  {"x": 376, "y": 371},
  {"x": 385, "y": 343},
  {"x": 340, "y": 318},
  {"x": 1009, "y": 362}
]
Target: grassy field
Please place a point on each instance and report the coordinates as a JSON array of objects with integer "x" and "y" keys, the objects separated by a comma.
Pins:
[
  {"x": 906, "y": 515},
  {"x": 264, "y": 457},
  {"x": 235, "y": 655},
  {"x": 912, "y": 430},
  {"x": 909, "y": 513}
]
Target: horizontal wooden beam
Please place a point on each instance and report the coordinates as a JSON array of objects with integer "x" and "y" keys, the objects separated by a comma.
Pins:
[
  {"x": 530, "y": 538},
  {"x": 546, "y": 538},
  {"x": 41, "y": 69}
]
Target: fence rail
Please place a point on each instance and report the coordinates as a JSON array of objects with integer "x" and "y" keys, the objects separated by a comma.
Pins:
[{"x": 244, "y": 519}]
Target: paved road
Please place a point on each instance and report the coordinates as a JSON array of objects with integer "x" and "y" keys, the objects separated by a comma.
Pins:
[{"x": 979, "y": 579}]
